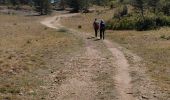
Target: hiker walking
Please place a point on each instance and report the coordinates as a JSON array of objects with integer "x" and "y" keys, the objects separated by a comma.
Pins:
[
  {"x": 102, "y": 29},
  {"x": 96, "y": 27}
]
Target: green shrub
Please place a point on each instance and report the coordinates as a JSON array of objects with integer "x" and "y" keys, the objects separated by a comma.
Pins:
[
  {"x": 125, "y": 23},
  {"x": 138, "y": 23},
  {"x": 62, "y": 30},
  {"x": 124, "y": 10},
  {"x": 162, "y": 21},
  {"x": 145, "y": 24},
  {"x": 168, "y": 38},
  {"x": 163, "y": 37},
  {"x": 121, "y": 11},
  {"x": 166, "y": 8}
]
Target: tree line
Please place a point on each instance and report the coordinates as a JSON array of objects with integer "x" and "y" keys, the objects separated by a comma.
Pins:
[
  {"x": 44, "y": 6},
  {"x": 154, "y": 6},
  {"x": 127, "y": 14},
  {"x": 15, "y": 2},
  {"x": 77, "y": 5}
]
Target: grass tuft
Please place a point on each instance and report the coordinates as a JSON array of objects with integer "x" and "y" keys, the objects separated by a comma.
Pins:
[{"x": 64, "y": 30}]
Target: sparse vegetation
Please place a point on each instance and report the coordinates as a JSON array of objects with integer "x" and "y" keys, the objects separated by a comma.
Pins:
[
  {"x": 153, "y": 45},
  {"x": 25, "y": 51},
  {"x": 36, "y": 60},
  {"x": 140, "y": 18},
  {"x": 42, "y": 6},
  {"x": 134, "y": 23},
  {"x": 165, "y": 37}
]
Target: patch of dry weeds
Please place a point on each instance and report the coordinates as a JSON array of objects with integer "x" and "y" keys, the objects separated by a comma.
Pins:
[
  {"x": 153, "y": 46},
  {"x": 84, "y": 22},
  {"x": 154, "y": 50},
  {"x": 26, "y": 47}
]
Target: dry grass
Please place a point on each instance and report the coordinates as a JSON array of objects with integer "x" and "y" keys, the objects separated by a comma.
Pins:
[
  {"x": 25, "y": 47},
  {"x": 153, "y": 46},
  {"x": 86, "y": 20},
  {"x": 21, "y": 41},
  {"x": 150, "y": 46}
]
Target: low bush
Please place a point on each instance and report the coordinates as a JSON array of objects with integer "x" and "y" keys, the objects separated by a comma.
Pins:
[
  {"x": 145, "y": 24},
  {"x": 123, "y": 24},
  {"x": 138, "y": 23},
  {"x": 121, "y": 11},
  {"x": 165, "y": 37},
  {"x": 166, "y": 8}
]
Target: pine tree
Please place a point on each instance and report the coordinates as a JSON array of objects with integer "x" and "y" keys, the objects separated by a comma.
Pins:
[
  {"x": 42, "y": 6},
  {"x": 165, "y": 7},
  {"x": 62, "y": 4},
  {"x": 78, "y": 5},
  {"x": 154, "y": 4},
  {"x": 14, "y": 2},
  {"x": 102, "y": 2},
  {"x": 139, "y": 5}
]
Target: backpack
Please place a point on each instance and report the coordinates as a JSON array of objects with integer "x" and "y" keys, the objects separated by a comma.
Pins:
[{"x": 102, "y": 25}]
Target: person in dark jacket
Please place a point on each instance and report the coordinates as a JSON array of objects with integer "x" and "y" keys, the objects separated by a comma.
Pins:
[
  {"x": 96, "y": 27},
  {"x": 102, "y": 29}
]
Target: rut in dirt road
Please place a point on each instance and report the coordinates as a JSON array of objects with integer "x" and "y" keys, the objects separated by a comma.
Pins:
[
  {"x": 122, "y": 77},
  {"x": 80, "y": 85}
]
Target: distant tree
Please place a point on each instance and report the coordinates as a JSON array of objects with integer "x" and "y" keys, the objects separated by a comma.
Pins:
[
  {"x": 25, "y": 1},
  {"x": 121, "y": 1},
  {"x": 154, "y": 4},
  {"x": 78, "y": 5},
  {"x": 2, "y": 1},
  {"x": 42, "y": 6},
  {"x": 165, "y": 7},
  {"x": 62, "y": 4},
  {"x": 14, "y": 2},
  {"x": 102, "y": 2},
  {"x": 139, "y": 5}
]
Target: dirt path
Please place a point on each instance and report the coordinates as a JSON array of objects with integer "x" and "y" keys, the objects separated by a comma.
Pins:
[
  {"x": 122, "y": 77},
  {"x": 91, "y": 65},
  {"x": 49, "y": 22}
]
